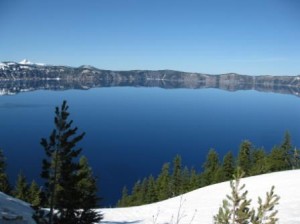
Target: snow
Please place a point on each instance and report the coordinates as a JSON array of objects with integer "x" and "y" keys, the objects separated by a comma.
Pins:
[
  {"x": 14, "y": 211},
  {"x": 27, "y": 62},
  {"x": 2, "y": 65},
  {"x": 196, "y": 207},
  {"x": 201, "y": 205}
]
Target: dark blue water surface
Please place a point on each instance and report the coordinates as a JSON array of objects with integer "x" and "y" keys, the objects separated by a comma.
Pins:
[{"x": 131, "y": 132}]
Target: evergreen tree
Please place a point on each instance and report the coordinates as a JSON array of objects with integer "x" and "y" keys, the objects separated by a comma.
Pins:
[
  {"x": 295, "y": 159},
  {"x": 276, "y": 160},
  {"x": 259, "y": 162},
  {"x": 137, "y": 194},
  {"x": 228, "y": 166},
  {"x": 60, "y": 169},
  {"x": 151, "y": 194},
  {"x": 194, "y": 180},
  {"x": 185, "y": 175},
  {"x": 244, "y": 157},
  {"x": 34, "y": 192},
  {"x": 163, "y": 183},
  {"x": 235, "y": 208},
  {"x": 143, "y": 199},
  {"x": 21, "y": 190},
  {"x": 265, "y": 213},
  {"x": 88, "y": 193},
  {"x": 211, "y": 168},
  {"x": 4, "y": 183},
  {"x": 286, "y": 147},
  {"x": 176, "y": 176},
  {"x": 124, "y": 201}
]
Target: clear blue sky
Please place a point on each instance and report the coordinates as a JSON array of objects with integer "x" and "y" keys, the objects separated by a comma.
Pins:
[{"x": 245, "y": 36}]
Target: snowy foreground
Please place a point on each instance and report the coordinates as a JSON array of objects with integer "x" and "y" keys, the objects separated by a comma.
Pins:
[{"x": 197, "y": 207}]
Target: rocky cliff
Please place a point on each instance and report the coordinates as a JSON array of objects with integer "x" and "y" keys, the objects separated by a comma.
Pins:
[{"x": 19, "y": 77}]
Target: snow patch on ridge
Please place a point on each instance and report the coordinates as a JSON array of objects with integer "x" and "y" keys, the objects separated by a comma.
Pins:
[
  {"x": 27, "y": 62},
  {"x": 2, "y": 65}
]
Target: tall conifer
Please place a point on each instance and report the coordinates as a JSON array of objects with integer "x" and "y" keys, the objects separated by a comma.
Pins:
[
  {"x": 176, "y": 177},
  {"x": 245, "y": 157},
  {"x": 60, "y": 169},
  {"x": 163, "y": 183},
  {"x": 228, "y": 166},
  {"x": 21, "y": 189}
]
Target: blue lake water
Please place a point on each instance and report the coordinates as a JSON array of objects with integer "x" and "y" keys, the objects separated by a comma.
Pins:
[{"x": 131, "y": 132}]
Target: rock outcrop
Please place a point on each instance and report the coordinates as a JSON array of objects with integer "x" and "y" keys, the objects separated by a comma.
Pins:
[{"x": 20, "y": 77}]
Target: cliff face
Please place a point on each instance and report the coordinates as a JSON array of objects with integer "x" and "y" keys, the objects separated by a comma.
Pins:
[{"x": 15, "y": 77}]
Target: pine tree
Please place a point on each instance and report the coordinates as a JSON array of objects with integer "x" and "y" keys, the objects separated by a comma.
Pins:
[
  {"x": 124, "y": 201},
  {"x": 286, "y": 147},
  {"x": 176, "y": 176},
  {"x": 21, "y": 190},
  {"x": 244, "y": 157},
  {"x": 136, "y": 195},
  {"x": 235, "y": 209},
  {"x": 211, "y": 167},
  {"x": 265, "y": 213},
  {"x": 259, "y": 162},
  {"x": 163, "y": 183},
  {"x": 194, "y": 180},
  {"x": 228, "y": 166},
  {"x": 87, "y": 188},
  {"x": 276, "y": 160},
  {"x": 151, "y": 194},
  {"x": 60, "y": 169},
  {"x": 34, "y": 197},
  {"x": 4, "y": 183},
  {"x": 295, "y": 159},
  {"x": 185, "y": 186}
]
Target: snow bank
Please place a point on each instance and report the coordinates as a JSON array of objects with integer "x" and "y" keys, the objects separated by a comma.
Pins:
[
  {"x": 196, "y": 207},
  {"x": 201, "y": 205},
  {"x": 14, "y": 211}
]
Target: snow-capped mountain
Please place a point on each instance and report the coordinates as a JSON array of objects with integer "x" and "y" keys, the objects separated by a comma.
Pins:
[{"x": 27, "y": 62}]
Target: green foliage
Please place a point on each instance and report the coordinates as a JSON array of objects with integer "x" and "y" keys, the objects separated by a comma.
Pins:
[
  {"x": 228, "y": 166},
  {"x": 34, "y": 197},
  {"x": 64, "y": 175},
  {"x": 151, "y": 194},
  {"x": 254, "y": 160},
  {"x": 295, "y": 159},
  {"x": 4, "y": 183},
  {"x": 211, "y": 168},
  {"x": 259, "y": 162},
  {"x": 163, "y": 183},
  {"x": 244, "y": 157},
  {"x": 124, "y": 201},
  {"x": 281, "y": 157},
  {"x": 265, "y": 212},
  {"x": 21, "y": 189},
  {"x": 194, "y": 180},
  {"x": 236, "y": 207},
  {"x": 87, "y": 187},
  {"x": 276, "y": 160},
  {"x": 185, "y": 177},
  {"x": 176, "y": 176}
]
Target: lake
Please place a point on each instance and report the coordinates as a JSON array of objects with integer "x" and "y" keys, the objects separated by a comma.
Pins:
[{"x": 132, "y": 131}]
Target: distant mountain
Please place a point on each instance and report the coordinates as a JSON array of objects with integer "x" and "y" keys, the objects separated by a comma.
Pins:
[{"x": 28, "y": 76}]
